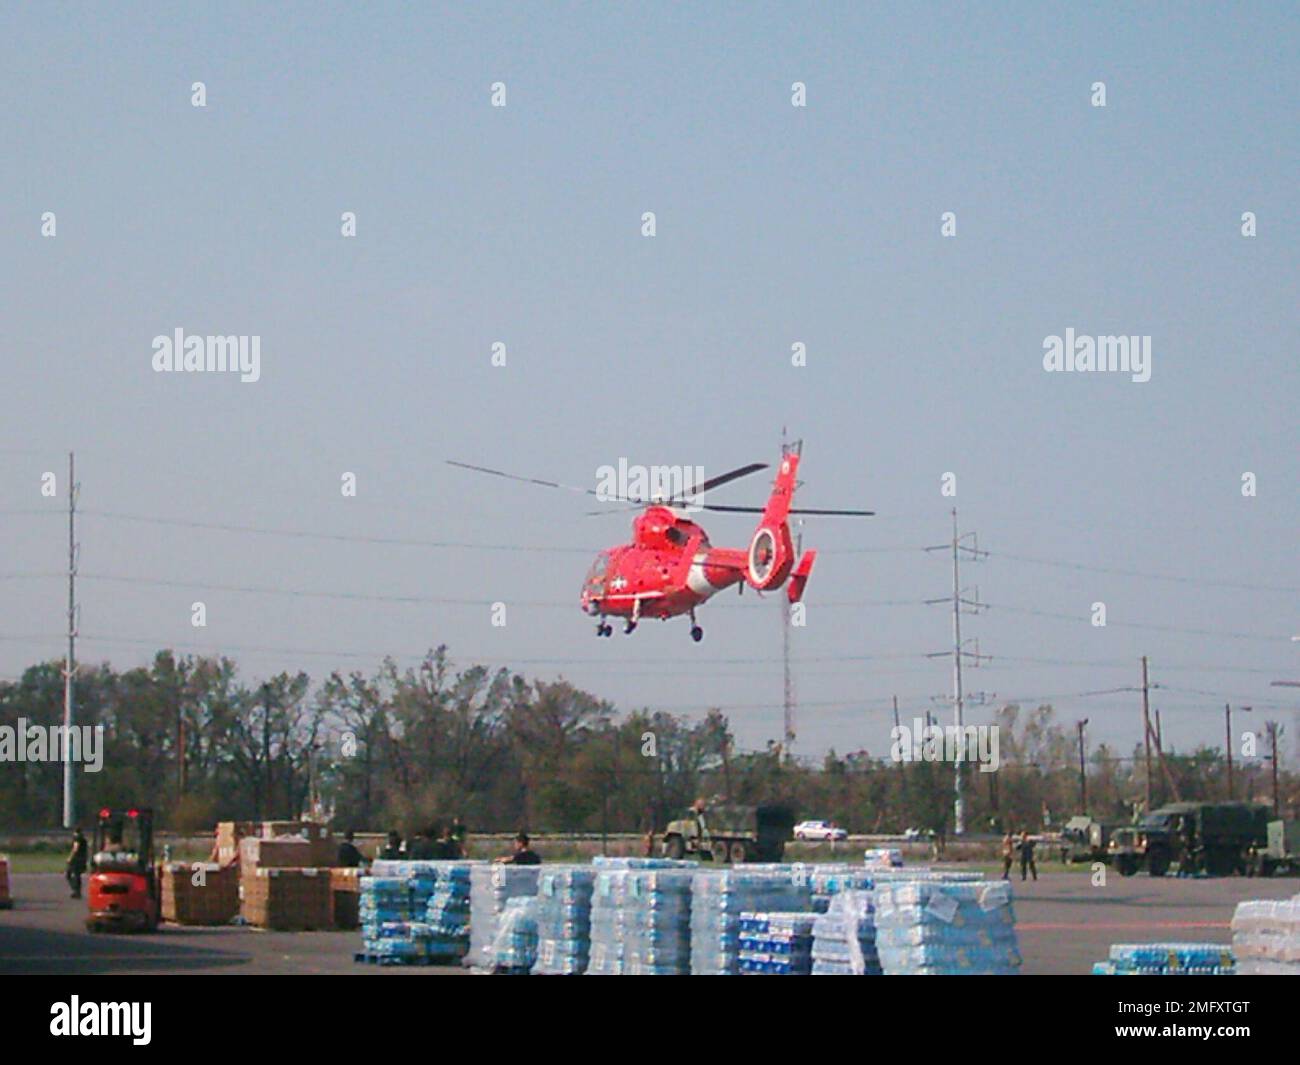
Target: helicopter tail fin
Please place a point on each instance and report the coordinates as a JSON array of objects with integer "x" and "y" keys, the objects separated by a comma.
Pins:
[
  {"x": 771, "y": 549},
  {"x": 799, "y": 576}
]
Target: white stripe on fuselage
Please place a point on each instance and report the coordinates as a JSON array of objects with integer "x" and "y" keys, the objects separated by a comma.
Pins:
[{"x": 696, "y": 580}]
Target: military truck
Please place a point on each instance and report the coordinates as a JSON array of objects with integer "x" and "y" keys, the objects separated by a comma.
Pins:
[
  {"x": 1085, "y": 839},
  {"x": 1281, "y": 853},
  {"x": 730, "y": 833},
  {"x": 1214, "y": 838}
]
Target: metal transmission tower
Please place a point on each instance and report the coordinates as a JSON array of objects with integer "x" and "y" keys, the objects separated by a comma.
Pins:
[
  {"x": 70, "y": 666},
  {"x": 960, "y": 605},
  {"x": 789, "y": 697}
]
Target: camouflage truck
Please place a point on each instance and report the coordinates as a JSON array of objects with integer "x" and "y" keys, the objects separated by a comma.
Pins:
[
  {"x": 1214, "y": 838},
  {"x": 1281, "y": 853},
  {"x": 729, "y": 833},
  {"x": 1085, "y": 839}
]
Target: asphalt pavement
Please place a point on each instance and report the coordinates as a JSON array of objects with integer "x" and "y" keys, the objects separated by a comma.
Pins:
[{"x": 1065, "y": 923}]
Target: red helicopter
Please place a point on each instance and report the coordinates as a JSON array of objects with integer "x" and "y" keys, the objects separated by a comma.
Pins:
[{"x": 670, "y": 568}]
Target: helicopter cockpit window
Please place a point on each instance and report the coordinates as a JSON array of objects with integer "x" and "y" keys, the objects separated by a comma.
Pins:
[
  {"x": 598, "y": 568},
  {"x": 675, "y": 535}
]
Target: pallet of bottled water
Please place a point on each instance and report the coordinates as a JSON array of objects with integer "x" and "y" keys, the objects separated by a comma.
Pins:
[
  {"x": 1266, "y": 937},
  {"x": 640, "y": 920},
  {"x": 447, "y": 912},
  {"x": 718, "y": 899},
  {"x": 490, "y": 888},
  {"x": 392, "y": 926},
  {"x": 945, "y": 927},
  {"x": 514, "y": 947},
  {"x": 602, "y": 861},
  {"x": 405, "y": 869},
  {"x": 1167, "y": 959},
  {"x": 827, "y": 881},
  {"x": 564, "y": 920},
  {"x": 776, "y": 944},
  {"x": 844, "y": 937},
  {"x": 883, "y": 858}
]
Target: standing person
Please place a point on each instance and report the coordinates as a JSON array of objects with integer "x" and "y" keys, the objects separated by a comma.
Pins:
[
  {"x": 460, "y": 834},
  {"x": 421, "y": 848},
  {"x": 447, "y": 849},
  {"x": 1027, "y": 856},
  {"x": 392, "y": 850},
  {"x": 349, "y": 856},
  {"x": 77, "y": 859},
  {"x": 523, "y": 855},
  {"x": 1008, "y": 855}
]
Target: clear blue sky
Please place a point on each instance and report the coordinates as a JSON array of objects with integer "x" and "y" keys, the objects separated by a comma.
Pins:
[{"x": 775, "y": 225}]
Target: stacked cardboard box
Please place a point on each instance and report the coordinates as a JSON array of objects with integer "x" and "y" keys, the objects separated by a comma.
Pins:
[
  {"x": 199, "y": 893},
  {"x": 5, "y": 900},
  {"x": 287, "y": 852},
  {"x": 345, "y": 897},
  {"x": 321, "y": 849},
  {"x": 229, "y": 834},
  {"x": 287, "y": 900},
  {"x": 324, "y": 850}
]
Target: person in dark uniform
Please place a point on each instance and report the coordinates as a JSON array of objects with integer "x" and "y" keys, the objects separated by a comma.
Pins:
[
  {"x": 349, "y": 856},
  {"x": 423, "y": 848},
  {"x": 523, "y": 855},
  {"x": 1027, "y": 856},
  {"x": 447, "y": 849},
  {"x": 460, "y": 834},
  {"x": 77, "y": 859},
  {"x": 392, "y": 850}
]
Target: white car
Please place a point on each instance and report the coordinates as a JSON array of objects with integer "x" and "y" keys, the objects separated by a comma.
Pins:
[{"x": 819, "y": 830}]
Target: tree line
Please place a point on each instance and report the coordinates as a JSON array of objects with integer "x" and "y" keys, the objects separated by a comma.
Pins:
[{"x": 408, "y": 748}]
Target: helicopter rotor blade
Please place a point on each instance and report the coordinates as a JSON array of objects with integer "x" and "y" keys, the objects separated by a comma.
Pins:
[
  {"x": 793, "y": 510},
  {"x": 525, "y": 480},
  {"x": 726, "y": 478},
  {"x": 679, "y": 499}
]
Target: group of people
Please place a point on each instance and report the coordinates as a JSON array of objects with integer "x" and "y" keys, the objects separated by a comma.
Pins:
[
  {"x": 1022, "y": 846},
  {"x": 447, "y": 843}
]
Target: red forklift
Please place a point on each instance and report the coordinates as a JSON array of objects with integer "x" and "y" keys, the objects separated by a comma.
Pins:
[{"x": 125, "y": 890}]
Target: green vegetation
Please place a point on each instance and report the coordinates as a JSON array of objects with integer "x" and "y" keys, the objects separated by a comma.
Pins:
[{"x": 403, "y": 748}]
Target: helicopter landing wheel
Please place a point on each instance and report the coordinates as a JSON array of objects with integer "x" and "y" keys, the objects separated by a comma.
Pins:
[
  {"x": 629, "y": 628},
  {"x": 604, "y": 629},
  {"x": 697, "y": 633}
]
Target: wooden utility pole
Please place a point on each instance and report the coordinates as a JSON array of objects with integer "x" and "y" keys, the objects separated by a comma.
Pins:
[
  {"x": 726, "y": 764},
  {"x": 1146, "y": 730},
  {"x": 1083, "y": 769},
  {"x": 1227, "y": 725},
  {"x": 180, "y": 756},
  {"x": 1272, "y": 749}
]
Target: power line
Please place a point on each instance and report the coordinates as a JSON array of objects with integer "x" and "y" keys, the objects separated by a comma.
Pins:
[
  {"x": 564, "y": 604},
  {"x": 534, "y": 548},
  {"x": 1181, "y": 630},
  {"x": 1177, "y": 579},
  {"x": 305, "y": 534}
]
